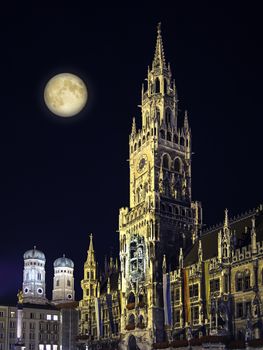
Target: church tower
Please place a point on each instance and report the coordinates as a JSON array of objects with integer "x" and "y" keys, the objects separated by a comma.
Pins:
[
  {"x": 89, "y": 288},
  {"x": 63, "y": 281},
  {"x": 34, "y": 285},
  {"x": 162, "y": 218}
]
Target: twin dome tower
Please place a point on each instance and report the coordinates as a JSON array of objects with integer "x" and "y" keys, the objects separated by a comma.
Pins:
[{"x": 34, "y": 285}]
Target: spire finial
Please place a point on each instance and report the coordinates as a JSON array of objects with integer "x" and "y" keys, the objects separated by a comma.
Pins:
[
  {"x": 133, "y": 126},
  {"x": 159, "y": 31},
  {"x": 226, "y": 219},
  {"x": 91, "y": 242},
  {"x": 159, "y": 59},
  {"x": 164, "y": 264}
]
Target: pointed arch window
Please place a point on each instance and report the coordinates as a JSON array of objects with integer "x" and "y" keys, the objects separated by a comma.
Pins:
[
  {"x": 247, "y": 280},
  {"x": 169, "y": 136},
  {"x": 157, "y": 111},
  {"x": 239, "y": 281},
  {"x": 175, "y": 138},
  {"x": 182, "y": 141},
  {"x": 177, "y": 165},
  {"x": 168, "y": 117},
  {"x": 166, "y": 162},
  {"x": 131, "y": 298},
  {"x": 157, "y": 85},
  {"x": 162, "y": 134},
  {"x": 165, "y": 86}
]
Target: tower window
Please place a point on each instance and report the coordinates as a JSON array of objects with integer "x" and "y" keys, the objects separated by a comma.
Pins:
[
  {"x": 162, "y": 134},
  {"x": 39, "y": 276},
  {"x": 177, "y": 165},
  {"x": 165, "y": 86},
  {"x": 157, "y": 85},
  {"x": 57, "y": 283},
  {"x": 182, "y": 141},
  {"x": 175, "y": 138},
  {"x": 169, "y": 136},
  {"x": 166, "y": 161},
  {"x": 68, "y": 283},
  {"x": 239, "y": 281},
  {"x": 247, "y": 280},
  {"x": 168, "y": 116}
]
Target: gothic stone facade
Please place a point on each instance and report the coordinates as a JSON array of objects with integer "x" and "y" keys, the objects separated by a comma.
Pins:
[{"x": 215, "y": 280}]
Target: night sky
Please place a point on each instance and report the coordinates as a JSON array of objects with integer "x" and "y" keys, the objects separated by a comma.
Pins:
[{"x": 62, "y": 179}]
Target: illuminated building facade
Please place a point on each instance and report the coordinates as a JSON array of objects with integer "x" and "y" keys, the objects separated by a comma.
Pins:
[
  {"x": 36, "y": 323},
  {"x": 175, "y": 284}
]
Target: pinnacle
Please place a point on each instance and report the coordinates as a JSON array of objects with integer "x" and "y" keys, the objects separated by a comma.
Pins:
[{"x": 159, "y": 58}]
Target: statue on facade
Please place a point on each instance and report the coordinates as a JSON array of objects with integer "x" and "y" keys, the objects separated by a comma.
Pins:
[{"x": 20, "y": 297}]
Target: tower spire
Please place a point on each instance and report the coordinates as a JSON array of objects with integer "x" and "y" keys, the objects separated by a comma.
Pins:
[
  {"x": 159, "y": 58},
  {"x": 226, "y": 219},
  {"x": 91, "y": 249}
]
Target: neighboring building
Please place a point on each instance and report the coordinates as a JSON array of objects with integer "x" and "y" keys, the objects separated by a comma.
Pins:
[
  {"x": 174, "y": 282},
  {"x": 40, "y": 327},
  {"x": 36, "y": 323}
]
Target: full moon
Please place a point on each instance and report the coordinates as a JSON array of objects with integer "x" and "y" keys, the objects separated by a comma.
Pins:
[{"x": 65, "y": 95}]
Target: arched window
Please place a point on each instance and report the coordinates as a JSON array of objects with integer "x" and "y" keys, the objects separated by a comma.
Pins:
[
  {"x": 177, "y": 165},
  {"x": 139, "y": 143},
  {"x": 177, "y": 211},
  {"x": 162, "y": 134},
  {"x": 147, "y": 136},
  {"x": 57, "y": 283},
  {"x": 165, "y": 86},
  {"x": 147, "y": 119},
  {"x": 141, "y": 298},
  {"x": 39, "y": 276},
  {"x": 157, "y": 85},
  {"x": 131, "y": 319},
  {"x": 157, "y": 113},
  {"x": 166, "y": 161},
  {"x": 175, "y": 138},
  {"x": 182, "y": 141},
  {"x": 239, "y": 281},
  {"x": 168, "y": 116},
  {"x": 131, "y": 298},
  {"x": 143, "y": 139},
  {"x": 169, "y": 136},
  {"x": 247, "y": 280},
  {"x": 68, "y": 283},
  {"x": 135, "y": 146}
]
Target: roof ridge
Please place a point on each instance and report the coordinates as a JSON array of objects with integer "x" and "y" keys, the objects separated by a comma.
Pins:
[{"x": 232, "y": 220}]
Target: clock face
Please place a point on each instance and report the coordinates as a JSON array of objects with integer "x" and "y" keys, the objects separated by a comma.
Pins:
[{"x": 142, "y": 162}]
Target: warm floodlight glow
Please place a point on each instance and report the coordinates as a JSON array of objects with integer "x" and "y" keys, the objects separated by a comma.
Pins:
[{"x": 65, "y": 95}]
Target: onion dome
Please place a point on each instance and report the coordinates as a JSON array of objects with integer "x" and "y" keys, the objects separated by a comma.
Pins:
[
  {"x": 63, "y": 262},
  {"x": 34, "y": 254}
]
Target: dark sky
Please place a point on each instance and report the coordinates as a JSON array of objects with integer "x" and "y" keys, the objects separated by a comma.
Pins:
[{"x": 62, "y": 179}]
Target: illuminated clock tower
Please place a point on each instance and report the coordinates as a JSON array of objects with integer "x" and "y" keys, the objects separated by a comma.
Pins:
[{"x": 161, "y": 218}]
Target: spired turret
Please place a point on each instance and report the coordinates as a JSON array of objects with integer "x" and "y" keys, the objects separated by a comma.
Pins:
[
  {"x": 34, "y": 285},
  {"x": 63, "y": 282}
]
